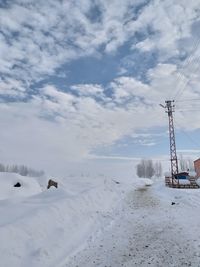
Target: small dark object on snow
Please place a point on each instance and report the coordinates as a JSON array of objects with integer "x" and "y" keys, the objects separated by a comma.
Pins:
[
  {"x": 173, "y": 203},
  {"x": 17, "y": 185},
  {"x": 52, "y": 183},
  {"x": 116, "y": 182}
]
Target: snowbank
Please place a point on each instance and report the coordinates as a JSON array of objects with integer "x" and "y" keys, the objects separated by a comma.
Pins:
[
  {"x": 29, "y": 186},
  {"x": 41, "y": 230}
]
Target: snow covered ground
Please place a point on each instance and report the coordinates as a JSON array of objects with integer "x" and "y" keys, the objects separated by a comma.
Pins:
[
  {"x": 98, "y": 222},
  {"x": 148, "y": 230},
  {"x": 40, "y": 227},
  {"x": 7, "y": 190}
]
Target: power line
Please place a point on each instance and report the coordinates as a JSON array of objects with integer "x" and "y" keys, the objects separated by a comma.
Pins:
[
  {"x": 188, "y": 100},
  {"x": 180, "y": 92},
  {"x": 188, "y": 110},
  {"x": 188, "y": 105},
  {"x": 187, "y": 62},
  {"x": 188, "y": 136}
]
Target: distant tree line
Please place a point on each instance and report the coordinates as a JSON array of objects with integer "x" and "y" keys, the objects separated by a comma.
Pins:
[
  {"x": 186, "y": 164},
  {"x": 21, "y": 169},
  {"x": 147, "y": 168}
]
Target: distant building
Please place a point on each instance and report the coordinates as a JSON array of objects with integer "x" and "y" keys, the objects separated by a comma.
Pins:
[{"x": 197, "y": 167}]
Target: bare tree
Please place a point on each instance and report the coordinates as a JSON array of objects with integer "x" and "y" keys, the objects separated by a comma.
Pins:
[
  {"x": 145, "y": 168},
  {"x": 182, "y": 163},
  {"x": 191, "y": 165},
  {"x": 158, "y": 169},
  {"x": 23, "y": 170},
  {"x": 139, "y": 170},
  {"x": 14, "y": 168},
  {"x": 186, "y": 164},
  {"x": 2, "y": 167}
]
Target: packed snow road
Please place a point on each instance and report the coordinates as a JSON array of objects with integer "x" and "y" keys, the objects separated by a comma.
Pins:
[{"x": 147, "y": 231}]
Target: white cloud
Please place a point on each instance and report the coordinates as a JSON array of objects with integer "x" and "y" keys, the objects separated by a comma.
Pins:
[
  {"x": 126, "y": 88},
  {"x": 170, "y": 21},
  {"x": 146, "y": 45},
  {"x": 11, "y": 87},
  {"x": 37, "y": 37},
  {"x": 88, "y": 89},
  {"x": 58, "y": 127}
]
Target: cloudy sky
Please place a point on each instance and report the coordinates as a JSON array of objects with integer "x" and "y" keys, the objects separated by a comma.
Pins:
[{"x": 81, "y": 81}]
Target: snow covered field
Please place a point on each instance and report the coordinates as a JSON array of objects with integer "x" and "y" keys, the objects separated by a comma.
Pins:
[{"x": 97, "y": 222}]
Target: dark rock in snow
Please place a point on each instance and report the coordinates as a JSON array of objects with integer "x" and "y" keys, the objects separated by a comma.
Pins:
[
  {"x": 52, "y": 183},
  {"x": 17, "y": 185}
]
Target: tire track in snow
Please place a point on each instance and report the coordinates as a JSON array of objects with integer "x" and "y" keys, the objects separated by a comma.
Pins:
[{"x": 144, "y": 233}]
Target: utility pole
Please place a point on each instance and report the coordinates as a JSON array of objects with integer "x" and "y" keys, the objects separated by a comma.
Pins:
[{"x": 169, "y": 106}]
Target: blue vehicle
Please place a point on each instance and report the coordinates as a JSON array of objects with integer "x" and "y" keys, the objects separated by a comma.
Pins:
[{"x": 182, "y": 176}]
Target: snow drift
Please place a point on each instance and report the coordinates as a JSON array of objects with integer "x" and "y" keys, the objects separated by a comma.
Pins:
[
  {"x": 42, "y": 228},
  {"x": 29, "y": 186}
]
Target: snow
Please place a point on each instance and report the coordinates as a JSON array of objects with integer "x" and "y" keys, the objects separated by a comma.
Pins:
[
  {"x": 198, "y": 181},
  {"x": 184, "y": 181},
  {"x": 41, "y": 228},
  {"x": 97, "y": 221},
  {"x": 29, "y": 186},
  {"x": 148, "y": 230}
]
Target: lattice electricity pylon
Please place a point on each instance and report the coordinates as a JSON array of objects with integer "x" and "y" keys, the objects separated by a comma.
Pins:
[{"x": 173, "y": 157}]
